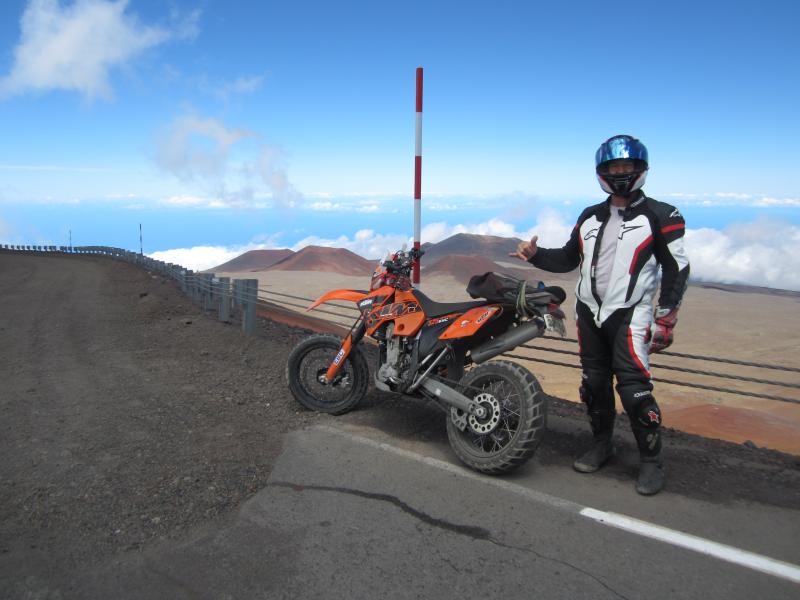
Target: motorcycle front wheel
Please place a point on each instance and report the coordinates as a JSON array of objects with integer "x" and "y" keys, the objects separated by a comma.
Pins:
[
  {"x": 514, "y": 423},
  {"x": 305, "y": 374}
]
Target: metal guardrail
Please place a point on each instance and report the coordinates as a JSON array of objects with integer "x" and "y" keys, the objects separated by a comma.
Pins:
[
  {"x": 226, "y": 296},
  {"x": 221, "y": 295}
]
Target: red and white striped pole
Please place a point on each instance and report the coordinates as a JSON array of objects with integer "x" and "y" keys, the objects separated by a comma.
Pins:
[{"x": 418, "y": 176}]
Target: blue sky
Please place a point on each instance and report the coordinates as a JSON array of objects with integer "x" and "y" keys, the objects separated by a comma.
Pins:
[{"x": 223, "y": 126}]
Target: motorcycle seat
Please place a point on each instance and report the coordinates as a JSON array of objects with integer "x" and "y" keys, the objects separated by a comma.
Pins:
[{"x": 438, "y": 309}]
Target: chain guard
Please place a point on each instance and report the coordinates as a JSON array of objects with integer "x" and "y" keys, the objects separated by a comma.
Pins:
[{"x": 459, "y": 418}]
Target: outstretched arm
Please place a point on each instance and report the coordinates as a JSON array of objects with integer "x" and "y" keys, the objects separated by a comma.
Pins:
[{"x": 560, "y": 260}]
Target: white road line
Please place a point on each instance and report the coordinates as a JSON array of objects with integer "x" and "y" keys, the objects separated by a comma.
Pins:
[{"x": 731, "y": 554}]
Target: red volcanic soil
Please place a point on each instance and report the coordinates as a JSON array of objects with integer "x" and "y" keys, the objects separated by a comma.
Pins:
[
  {"x": 490, "y": 247},
  {"x": 462, "y": 267},
  {"x": 328, "y": 260},
  {"x": 254, "y": 260},
  {"x": 737, "y": 425}
]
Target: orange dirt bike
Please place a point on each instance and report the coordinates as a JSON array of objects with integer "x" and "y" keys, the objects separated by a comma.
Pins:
[{"x": 496, "y": 411}]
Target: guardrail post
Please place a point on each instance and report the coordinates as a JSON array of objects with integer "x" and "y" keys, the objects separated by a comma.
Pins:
[
  {"x": 188, "y": 282},
  {"x": 237, "y": 292},
  {"x": 224, "y": 289},
  {"x": 208, "y": 291},
  {"x": 249, "y": 296}
]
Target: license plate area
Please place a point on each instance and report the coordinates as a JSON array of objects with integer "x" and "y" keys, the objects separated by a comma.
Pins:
[{"x": 554, "y": 325}]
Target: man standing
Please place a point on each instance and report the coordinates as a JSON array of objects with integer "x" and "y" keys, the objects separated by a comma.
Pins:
[{"x": 620, "y": 245}]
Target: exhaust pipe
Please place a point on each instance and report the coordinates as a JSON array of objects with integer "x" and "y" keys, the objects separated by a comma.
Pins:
[{"x": 503, "y": 343}]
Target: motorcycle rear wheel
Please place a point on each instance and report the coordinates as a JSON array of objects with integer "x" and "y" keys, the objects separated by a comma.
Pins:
[
  {"x": 521, "y": 411},
  {"x": 310, "y": 360}
]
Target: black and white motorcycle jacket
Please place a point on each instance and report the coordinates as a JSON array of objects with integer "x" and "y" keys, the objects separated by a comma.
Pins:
[{"x": 651, "y": 236}]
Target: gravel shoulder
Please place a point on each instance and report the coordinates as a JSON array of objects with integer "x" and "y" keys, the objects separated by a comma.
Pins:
[{"x": 128, "y": 416}]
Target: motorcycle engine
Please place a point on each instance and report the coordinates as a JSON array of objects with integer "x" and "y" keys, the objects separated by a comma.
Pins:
[{"x": 395, "y": 366}]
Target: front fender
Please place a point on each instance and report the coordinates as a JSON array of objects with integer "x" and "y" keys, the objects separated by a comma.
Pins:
[{"x": 350, "y": 295}]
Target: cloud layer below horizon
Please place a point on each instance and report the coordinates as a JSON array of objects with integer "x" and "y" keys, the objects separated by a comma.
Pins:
[{"x": 757, "y": 253}]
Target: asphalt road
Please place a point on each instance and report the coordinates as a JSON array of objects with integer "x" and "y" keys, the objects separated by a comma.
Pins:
[
  {"x": 343, "y": 516},
  {"x": 151, "y": 452}
]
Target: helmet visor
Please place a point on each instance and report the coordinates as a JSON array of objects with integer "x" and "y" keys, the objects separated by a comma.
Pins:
[{"x": 620, "y": 147}]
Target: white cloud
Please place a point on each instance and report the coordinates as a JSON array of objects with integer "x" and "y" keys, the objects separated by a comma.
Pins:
[
  {"x": 328, "y": 206},
  {"x": 766, "y": 201},
  {"x": 760, "y": 253},
  {"x": 198, "y": 258},
  {"x": 271, "y": 169},
  {"x": 365, "y": 242},
  {"x": 188, "y": 201},
  {"x": 551, "y": 228},
  {"x": 204, "y": 152},
  {"x": 76, "y": 47},
  {"x": 732, "y": 199},
  {"x": 195, "y": 148},
  {"x": 240, "y": 85}
]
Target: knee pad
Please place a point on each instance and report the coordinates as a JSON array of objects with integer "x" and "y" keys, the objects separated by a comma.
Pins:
[{"x": 647, "y": 413}]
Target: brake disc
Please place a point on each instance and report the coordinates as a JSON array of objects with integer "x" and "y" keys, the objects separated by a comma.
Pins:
[{"x": 492, "y": 418}]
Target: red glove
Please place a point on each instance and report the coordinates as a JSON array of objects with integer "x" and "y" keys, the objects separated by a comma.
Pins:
[{"x": 662, "y": 329}]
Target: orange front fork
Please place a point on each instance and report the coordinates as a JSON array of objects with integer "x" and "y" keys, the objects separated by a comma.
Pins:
[
  {"x": 347, "y": 345},
  {"x": 342, "y": 355}
]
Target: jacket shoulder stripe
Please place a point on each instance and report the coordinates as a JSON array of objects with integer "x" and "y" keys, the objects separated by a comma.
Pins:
[{"x": 675, "y": 227}]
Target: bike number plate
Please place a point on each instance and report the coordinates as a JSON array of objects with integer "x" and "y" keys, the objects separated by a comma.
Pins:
[{"x": 555, "y": 325}]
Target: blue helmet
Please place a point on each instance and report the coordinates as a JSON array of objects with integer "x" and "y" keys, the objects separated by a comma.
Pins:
[{"x": 617, "y": 148}]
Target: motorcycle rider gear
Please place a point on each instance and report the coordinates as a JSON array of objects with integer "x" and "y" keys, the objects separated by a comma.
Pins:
[
  {"x": 595, "y": 457},
  {"x": 601, "y": 419},
  {"x": 648, "y": 413},
  {"x": 619, "y": 148},
  {"x": 617, "y": 348},
  {"x": 646, "y": 424},
  {"x": 650, "y": 239},
  {"x": 651, "y": 476},
  {"x": 661, "y": 338}
]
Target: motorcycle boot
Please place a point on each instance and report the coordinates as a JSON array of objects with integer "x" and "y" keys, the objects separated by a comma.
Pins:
[
  {"x": 651, "y": 475},
  {"x": 602, "y": 449}
]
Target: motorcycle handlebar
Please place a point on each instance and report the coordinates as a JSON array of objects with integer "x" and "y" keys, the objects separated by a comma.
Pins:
[{"x": 402, "y": 261}]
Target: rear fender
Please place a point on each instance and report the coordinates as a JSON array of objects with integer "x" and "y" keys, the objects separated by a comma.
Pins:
[
  {"x": 470, "y": 322},
  {"x": 349, "y": 295}
]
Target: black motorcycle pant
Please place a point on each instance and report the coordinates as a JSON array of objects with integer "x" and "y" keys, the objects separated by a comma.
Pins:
[{"x": 617, "y": 349}]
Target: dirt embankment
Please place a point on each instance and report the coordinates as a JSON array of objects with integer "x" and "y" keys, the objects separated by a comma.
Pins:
[{"x": 127, "y": 415}]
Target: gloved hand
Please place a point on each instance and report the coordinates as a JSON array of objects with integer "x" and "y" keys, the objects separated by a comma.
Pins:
[
  {"x": 661, "y": 332},
  {"x": 526, "y": 250}
]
